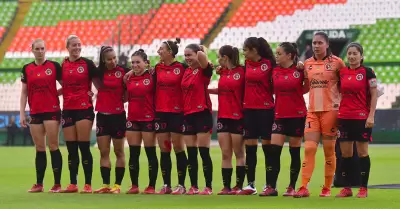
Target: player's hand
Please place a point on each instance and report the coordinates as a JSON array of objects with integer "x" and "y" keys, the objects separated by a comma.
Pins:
[
  {"x": 218, "y": 70},
  {"x": 370, "y": 122},
  {"x": 127, "y": 76},
  {"x": 22, "y": 121},
  {"x": 300, "y": 65}
]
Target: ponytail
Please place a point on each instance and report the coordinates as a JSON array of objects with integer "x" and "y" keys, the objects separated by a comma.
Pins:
[{"x": 263, "y": 48}]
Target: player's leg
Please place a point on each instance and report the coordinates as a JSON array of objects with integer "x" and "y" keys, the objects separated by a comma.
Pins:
[
  {"x": 38, "y": 136},
  {"x": 364, "y": 137},
  {"x": 266, "y": 123},
  {"x": 103, "y": 143},
  {"x": 164, "y": 142},
  {"x": 149, "y": 141},
  {"x": 225, "y": 143},
  {"x": 203, "y": 127},
  {"x": 239, "y": 150},
  {"x": 181, "y": 159},
  {"x": 83, "y": 130},
  {"x": 117, "y": 135},
  {"x": 134, "y": 138},
  {"x": 190, "y": 139}
]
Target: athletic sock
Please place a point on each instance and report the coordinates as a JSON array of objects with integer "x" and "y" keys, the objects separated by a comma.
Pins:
[
  {"x": 87, "y": 161},
  {"x": 330, "y": 162},
  {"x": 365, "y": 166},
  {"x": 41, "y": 164},
  {"x": 181, "y": 166},
  {"x": 294, "y": 165},
  {"x": 346, "y": 169},
  {"x": 73, "y": 160},
  {"x": 119, "y": 174},
  {"x": 56, "y": 163},
  {"x": 240, "y": 174},
  {"x": 166, "y": 167},
  {"x": 274, "y": 166},
  {"x": 227, "y": 177},
  {"x": 193, "y": 165},
  {"x": 310, "y": 149},
  {"x": 251, "y": 163},
  {"x": 105, "y": 174},
  {"x": 153, "y": 165},
  {"x": 134, "y": 153},
  {"x": 207, "y": 165}
]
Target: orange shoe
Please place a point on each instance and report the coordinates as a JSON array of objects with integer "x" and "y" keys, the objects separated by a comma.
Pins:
[
  {"x": 326, "y": 192},
  {"x": 193, "y": 191},
  {"x": 72, "y": 188},
  {"x": 133, "y": 190},
  {"x": 363, "y": 192},
  {"x": 206, "y": 191},
  {"x": 302, "y": 192},
  {"x": 103, "y": 190},
  {"x": 87, "y": 189},
  {"x": 149, "y": 190},
  {"x": 345, "y": 192},
  {"x": 55, "y": 189},
  {"x": 36, "y": 188},
  {"x": 179, "y": 190}
]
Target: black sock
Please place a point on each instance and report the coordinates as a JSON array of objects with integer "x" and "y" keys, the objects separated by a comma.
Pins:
[
  {"x": 193, "y": 165},
  {"x": 274, "y": 164},
  {"x": 119, "y": 174},
  {"x": 181, "y": 166},
  {"x": 346, "y": 169},
  {"x": 226, "y": 177},
  {"x": 134, "y": 153},
  {"x": 56, "y": 164},
  {"x": 87, "y": 161},
  {"x": 105, "y": 174},
  {"x": 73, "y": 160},
  {"x": 294, "y": 165},
  {"x": 267, "y": 154},
  {"x": 251, "y": 163},
  {"x": 41, "y": 164},
  {"x": 207, "y": 165},
  {"x": 153, "y": 165},
  {"x": 166, "y": 167},
  {"x": 365, "y": 166},
  {"x": 240, "y": 174}
]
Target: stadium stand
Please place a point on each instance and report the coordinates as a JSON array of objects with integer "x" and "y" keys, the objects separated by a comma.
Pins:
[{"x": 7, "y": 10}]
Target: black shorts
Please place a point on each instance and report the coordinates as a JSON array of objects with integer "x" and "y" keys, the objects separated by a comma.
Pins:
[
  {"x": 353, "y": 130},
  {"x": 168, "y": 122},
  {"x": 111, "y": 125},
  {"x": 38, "y": 118},
  {"x": 70, "y": 117},
  {"x": 227, "y": 125},
  {"x": 143, "y": 126},
  {"x": 289, "y": 126},
  {"x": 198, "y": 122},
  {"x": 258, "y": 123}
]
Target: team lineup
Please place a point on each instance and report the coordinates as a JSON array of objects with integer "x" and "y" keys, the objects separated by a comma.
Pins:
[{"x": 169, "y": 104}]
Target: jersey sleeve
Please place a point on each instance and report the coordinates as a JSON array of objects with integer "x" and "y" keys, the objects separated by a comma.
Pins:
[
  {"x": 208, "y": 71},
  {"x": 58, "y": 68},
  {"x": 93, "y": 72},
  {"x": 371, "y": 78},
  {"x": 24, "y": 78}
]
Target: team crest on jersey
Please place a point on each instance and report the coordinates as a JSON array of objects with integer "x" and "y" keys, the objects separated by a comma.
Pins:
[
  {"x": 177, "y": 71},
  {"x": 328, "y": 66},
  {"x": 219, "y": 126},
  {"x": 80, "y": 69},
  {"x": 195, "y": 71},
  {"x": 48, "y": 71},
  {"x": 274, "y": 127},
  {"x": 264, "y": 67},
  {"x": 128, "y": 124},
  {"x": 118, "y": 74},
  {"x": 156, "y": 126},
  {"x": 359, "y": 77},
  {"x": 296, "y": 74},
  {"x": 236, "y": 76},
  {"x": 146, "y": 81}
]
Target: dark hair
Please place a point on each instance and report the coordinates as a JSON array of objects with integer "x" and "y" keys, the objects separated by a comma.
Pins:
[
  {"x": 231, "y": 52},
  {"x": 358, "y": 47},
  {"x": 194, "y": 47},
  {"x": 141, "y": 54},
  {"x": 102, "y": 63},
  {"x": 173, "y": 46},
  {"x": 290, "y": 48},
  {"x": 326, "y": 38},
  {"x": 262, "y": 47}
]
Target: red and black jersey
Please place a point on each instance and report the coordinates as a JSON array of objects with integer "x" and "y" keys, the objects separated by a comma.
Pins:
[
  {"x": 288, "y": 90},
  {"x": 258, "y": 85},
  {"x": 168, "y": 96},
  {"x": 110, "y": 97},
  {"x": 230, "y": 93},
  {"x": 141, "y": 97},
  {"x": 41, "y": 81},
  {"x": 195, "y": 90},
  {"x": 355, "y": 87},
  {"x": 77, "y": 82}
]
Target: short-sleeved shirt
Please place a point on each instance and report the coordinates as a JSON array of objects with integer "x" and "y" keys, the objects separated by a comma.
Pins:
[
  {"x": 77, "y": 82},
  {"x": 323, "y": 76},
  {"x": 41, "y": 81},
  {"x": 230, "y": 93},
  {"x": 355, "y": 87}
]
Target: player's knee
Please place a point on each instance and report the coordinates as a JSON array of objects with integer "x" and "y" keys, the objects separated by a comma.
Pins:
[
  {"x": 40, "y": 147},
  {"x": 119, "y": 153},
  {"x": 310, "y": 148},
  {"x": 53, "y": 146},
  {"x": 226, "y": 155},
  {"x": 104, "y": 152},
  {"x": 362, "y": 152}
]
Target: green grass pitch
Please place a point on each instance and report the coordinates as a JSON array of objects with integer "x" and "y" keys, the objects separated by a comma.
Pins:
[{"x": 17, "y": 175}]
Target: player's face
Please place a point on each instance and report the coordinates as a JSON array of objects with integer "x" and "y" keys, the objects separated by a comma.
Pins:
[
  {"x": 39, "y": 50},
  {"x": 164, "y": 52},
  {"x": 74, "y": 47},
  {"x": 319, "y": 45},
  {"x": 281, "y": 56},
  {"x": 354, "y": 56},
  {"x": 190, "y": 57},
  {"x": 249, "y": 54},
  {"x": 110, "y": 58},
  {"x": 223, "y": 60},
  {"x": 138, "y": 64}
]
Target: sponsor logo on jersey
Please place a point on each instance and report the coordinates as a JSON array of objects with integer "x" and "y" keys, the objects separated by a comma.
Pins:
[{"x": 314, "y": 83}]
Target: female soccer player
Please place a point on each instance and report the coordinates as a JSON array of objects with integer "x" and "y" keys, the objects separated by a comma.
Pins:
[
  {"x": 111, "y": 119},
  {"x": 321, "y": 77},
  {"x": 39, "y": 88},
  {"x": 358, "y": 88},
  {"x": 230, "y": 117},
  {"x": 197, "y": 115},
  {"x": 290, "y": 116},
  {"x": 258, "y": 104},
  {"x": 140, "y": 123},
  {"x": 78, "y": 73}
]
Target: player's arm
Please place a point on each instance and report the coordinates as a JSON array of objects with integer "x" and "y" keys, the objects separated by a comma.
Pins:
[
  {"x": 58, "y": 76},
  {"x": 306, "y": 83},
  {"x": 94, "y": 74},
  {"x": 213, "y": 91},
  {"x": 372, "y": 83},
  {"x": 22, "y": 104}
]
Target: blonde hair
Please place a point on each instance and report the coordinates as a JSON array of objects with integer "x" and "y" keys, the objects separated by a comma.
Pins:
[
  {"x": 38, "y": 40},
  {"x": 70, "y": 37}
]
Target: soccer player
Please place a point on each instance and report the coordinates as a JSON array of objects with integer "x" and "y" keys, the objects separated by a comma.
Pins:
[
  {"x": 290, "y": 116},
  {"x": 78, "y": 73},
  {"x": 140, "y": 123},
  {"x": 111, "y": 118},
  {"x": 230, "y": 117},
  {"x": 39, "y": 89},
  {"x": 358, "y": 88},
  {"x": 197, "y": 115},
  {"x": 258, "y": 104},
  {"x": 321, "y": 76}
]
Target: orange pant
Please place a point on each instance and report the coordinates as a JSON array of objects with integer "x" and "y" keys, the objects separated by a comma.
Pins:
[{"x": 323, "y": 122}]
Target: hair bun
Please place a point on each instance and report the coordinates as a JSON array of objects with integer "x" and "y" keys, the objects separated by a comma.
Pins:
[
  {"x": 177, "y": 41},
  {"x": 140, "y": 50},
  {"x": 294, "y": 45}
]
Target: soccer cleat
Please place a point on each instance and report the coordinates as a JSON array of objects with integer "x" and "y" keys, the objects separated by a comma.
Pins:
[
  {"x": 178, "y": 190},
  {"x": 225, "y": 191},
  {"x": 116, "y": 189},
  {"x": 235, "y": 190},
  {"x": 206, "y": 191},
  {"x": 268, "y": 191},
  {"x": 55, "y": 189},
  {"x": 36, "y": 188},
  {"x": 165, "y": 190},
  {"x": 149, "y": 190},
  {"x": 326, "y": 192},
  {"x": 72, "y": 188},
  {"x": 193, "y": 191},
  {"x": 87, "y": 189},
  {"x": 345, "y": 192},
  {"x": 289, "y": 192},
  {"x": 103, "y": 190},
  {"x": 133, "y": 190},
  {"x": 302, "y": 192},
  {"x": 363, "y": 192},
  {"x": 248, "y": 190}
]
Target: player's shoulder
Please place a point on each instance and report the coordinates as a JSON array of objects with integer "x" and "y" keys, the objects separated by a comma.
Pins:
[
  {"x": 123, "y": 69},
  {"x": 28, "y": 64},
  {"x": 310, "y": 61},
  {"x": 56, "y": 64},
  {"x": 334, "y": 58}
]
